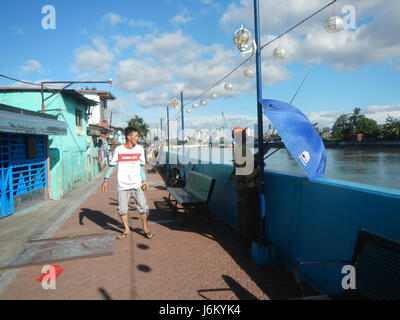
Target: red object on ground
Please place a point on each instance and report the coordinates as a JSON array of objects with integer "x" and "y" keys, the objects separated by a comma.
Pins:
[{"x": 58, "y": 271}]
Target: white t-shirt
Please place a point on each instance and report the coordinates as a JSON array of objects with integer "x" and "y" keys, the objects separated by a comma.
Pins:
[{"x": 128, "y": 161}]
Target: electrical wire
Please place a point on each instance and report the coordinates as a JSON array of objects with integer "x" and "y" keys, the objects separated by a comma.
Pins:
[
  {"x": 26, "y": 82},
  {"x": 22, "y": 81},
  {"x": 226, "y": 76},
  {"x": 217, "y": 83},
  {"x": 301, "y": 84},
  {"x": 301, "y": 22},
  {"x": 261, "y": 48}
]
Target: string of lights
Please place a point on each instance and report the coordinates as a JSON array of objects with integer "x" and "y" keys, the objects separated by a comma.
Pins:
[{"x": 252, "y": 55}]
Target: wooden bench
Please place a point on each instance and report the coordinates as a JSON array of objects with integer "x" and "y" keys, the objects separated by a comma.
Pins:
[
  {"x": 376, "y": 260},
  {"x": 196, "y": 193}
]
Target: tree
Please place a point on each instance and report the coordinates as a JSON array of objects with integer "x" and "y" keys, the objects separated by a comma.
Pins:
[
  {"x": 354, "y": 123},
  {"x": 369, "y": 128},
  {"x": 355, "y": 119},
  {"x": 391, "y": 129},
  {"x": 139, "y": 124},
  {"x": 341, "y": 129}
]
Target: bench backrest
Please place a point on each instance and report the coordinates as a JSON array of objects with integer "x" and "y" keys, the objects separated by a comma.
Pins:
[
  {"x": 377, "y": 263},
  {"x": 200, "y": 185}
]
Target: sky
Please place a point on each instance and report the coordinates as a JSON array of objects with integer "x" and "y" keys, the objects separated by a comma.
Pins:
[{"x": 153, "y": 50}]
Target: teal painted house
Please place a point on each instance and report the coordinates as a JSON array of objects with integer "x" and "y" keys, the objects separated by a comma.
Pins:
[
  {"x": 68, "y": 154},
  {"x": 24, "y": 166}
]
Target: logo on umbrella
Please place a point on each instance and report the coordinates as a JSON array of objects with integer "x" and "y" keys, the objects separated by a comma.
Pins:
[{"x": 304, "y": 157}]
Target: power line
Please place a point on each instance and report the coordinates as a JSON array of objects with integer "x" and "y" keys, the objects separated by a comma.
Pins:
[
  {"x": 213, "y": 86},
  {"x": 261, "y": 48},
  {"x": 301, "y": 22},
  {"x": 22, "y": 81},
  {"x": 301, "y": 84}
]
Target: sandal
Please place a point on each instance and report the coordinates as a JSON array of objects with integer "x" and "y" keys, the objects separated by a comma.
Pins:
[
  {"x": 149, "y": 235},
  {"x": 122, "y": 235}
]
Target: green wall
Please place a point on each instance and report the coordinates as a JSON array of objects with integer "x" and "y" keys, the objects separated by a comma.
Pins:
[{"x": 68, "y": 154}]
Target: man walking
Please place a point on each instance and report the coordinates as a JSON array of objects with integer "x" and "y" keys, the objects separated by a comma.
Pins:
[{"x": 130, "y": 159}]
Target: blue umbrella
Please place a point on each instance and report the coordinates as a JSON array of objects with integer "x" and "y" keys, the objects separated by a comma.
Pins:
[{"x": 299, "y": 136}]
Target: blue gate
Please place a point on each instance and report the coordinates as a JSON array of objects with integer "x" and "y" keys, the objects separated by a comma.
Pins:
[
  {"x": 18, "y": 174},
  {"x": 6, "y": 194}
]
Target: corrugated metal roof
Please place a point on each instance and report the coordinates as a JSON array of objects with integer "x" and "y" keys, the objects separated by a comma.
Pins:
[
  {"x": 105, "y": 94},
  {"x": 66, "y": 92},
  {"x": 79, "y": 97},
  {"x": 29, "y": 124},
  {"x": 6, "y": 107}
]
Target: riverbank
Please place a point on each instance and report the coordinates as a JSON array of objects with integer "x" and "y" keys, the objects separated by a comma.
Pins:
[
  {"x": 340, "y": 144},
  {"x": 327, "y": 144}
]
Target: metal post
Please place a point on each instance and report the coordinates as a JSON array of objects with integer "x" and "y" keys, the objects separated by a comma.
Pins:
[
  {"x": 168, "y": 140},
  {"x": 183, "y": 137},
  {"x": 259, "y": 120},
  {"x": 41, "y": 91},
  {"x": 161, "y": 144}
]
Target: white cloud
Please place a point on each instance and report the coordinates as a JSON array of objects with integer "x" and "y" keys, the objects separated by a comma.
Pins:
[
  {"x": 166, "y": 46},
  {"x": 323, "y": 118},
  {"x": 180, "y": 19},
  {"x": 126, "y": 42},
  {"x": 113, "y": 18},
  {"x": 375, "y": 112},
  {"x": 213, "y": 121},
  {"x": 380, "y": 113},
  {"x": 36, "y": 84},
  {"x": 83, "y": 32},
  {"x": 97, "y": 59},
  {"x": 135, "y": 75},
  {"x": 119, "y": 106},
  {"x": 153, "y": 99},
  {"x": 31, "y": 66},
  {"x": 183, "y": 17},
  {"x": 169, "y": 62},
  {"x": 179, "y": 59},
  {"x": 86, "y": 76},
  {"x": 142, "y": 23},
  {"x": 374, "y": 42}
]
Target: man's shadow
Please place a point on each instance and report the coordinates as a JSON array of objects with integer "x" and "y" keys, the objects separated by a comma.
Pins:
[{"x": 101, "y": 219}]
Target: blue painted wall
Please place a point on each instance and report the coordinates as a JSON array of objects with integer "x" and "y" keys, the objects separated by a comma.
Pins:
[{"x": 312, "y": 220}]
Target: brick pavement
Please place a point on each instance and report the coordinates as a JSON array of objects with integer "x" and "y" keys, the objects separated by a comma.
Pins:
[{"x": 197, "y": 261}]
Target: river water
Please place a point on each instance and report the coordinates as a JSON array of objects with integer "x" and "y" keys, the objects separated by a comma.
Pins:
[{"x": 377, "y": 166}]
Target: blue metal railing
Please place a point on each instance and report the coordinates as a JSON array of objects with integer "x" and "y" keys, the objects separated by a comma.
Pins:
[{"x": 20, "y": 175}]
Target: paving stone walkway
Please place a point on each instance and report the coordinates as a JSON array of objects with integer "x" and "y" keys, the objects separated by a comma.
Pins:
[{"x": 198, "y": 261}]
